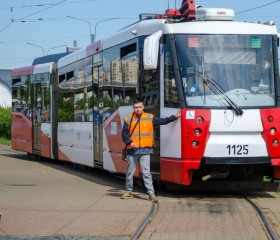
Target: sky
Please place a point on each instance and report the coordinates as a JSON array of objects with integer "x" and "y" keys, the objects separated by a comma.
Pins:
[{"x": 44, "y": 23}]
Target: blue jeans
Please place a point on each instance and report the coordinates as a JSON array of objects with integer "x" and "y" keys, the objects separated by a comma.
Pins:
[{"x": 144, "y": 161}]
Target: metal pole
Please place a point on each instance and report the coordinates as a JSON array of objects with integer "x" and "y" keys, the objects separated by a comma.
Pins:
[
  {"x": 90, "y": 35},
  {"x": 54, "y": 48},
  {"x": 109, "y": 19},
  {"x": 38, "y": 47}
]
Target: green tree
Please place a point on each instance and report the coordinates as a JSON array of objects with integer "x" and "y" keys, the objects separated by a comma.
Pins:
[{"x": 5, "y": 122}]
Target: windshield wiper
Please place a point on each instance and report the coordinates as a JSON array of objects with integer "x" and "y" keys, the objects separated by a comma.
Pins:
[{"x": 217, "y": 89}]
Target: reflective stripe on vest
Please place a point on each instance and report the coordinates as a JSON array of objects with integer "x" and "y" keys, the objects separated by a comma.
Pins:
[{"x": 143, "y": 133}]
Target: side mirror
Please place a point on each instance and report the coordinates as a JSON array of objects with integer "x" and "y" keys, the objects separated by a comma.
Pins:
[{"x": 150, "y": 52}]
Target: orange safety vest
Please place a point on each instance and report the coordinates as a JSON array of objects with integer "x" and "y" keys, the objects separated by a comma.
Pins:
[{"x": 143, "y": 134}]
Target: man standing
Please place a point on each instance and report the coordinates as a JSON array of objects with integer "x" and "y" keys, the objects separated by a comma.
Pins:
[{"x": 137, "y": 134}]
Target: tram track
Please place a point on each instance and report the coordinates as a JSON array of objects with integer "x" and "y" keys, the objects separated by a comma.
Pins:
[
  {"x": 261, "y": 202},
  {"x": 149, "y": 217},
  {"x": 213, "y": 216},
  {"x": 267, "y": 226}
]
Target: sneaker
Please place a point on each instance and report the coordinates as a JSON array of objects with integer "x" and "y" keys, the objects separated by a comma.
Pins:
[
  {"x": 153, "y": 198},
  {"x": 127, "y": 195}
]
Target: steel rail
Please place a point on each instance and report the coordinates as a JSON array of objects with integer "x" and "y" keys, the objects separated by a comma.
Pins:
[
  {"x": 266, "y": 223},
  {"x": 267, "y": 226},
  {"x": 150, "y": 215}
]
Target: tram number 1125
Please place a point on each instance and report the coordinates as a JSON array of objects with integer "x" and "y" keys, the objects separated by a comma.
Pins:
[{"x": 237, "y": 149}]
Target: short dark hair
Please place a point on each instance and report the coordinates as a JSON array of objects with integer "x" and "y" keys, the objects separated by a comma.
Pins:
[{"x": 137, "y": 100}]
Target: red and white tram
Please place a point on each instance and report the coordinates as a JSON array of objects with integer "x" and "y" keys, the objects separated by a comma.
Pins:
[{"x": 223, "y": 74}]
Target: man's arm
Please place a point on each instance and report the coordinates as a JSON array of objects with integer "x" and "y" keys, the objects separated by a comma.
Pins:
[
  {"x": 163, "y": 121},
  {"x": 125, "y": 134}
]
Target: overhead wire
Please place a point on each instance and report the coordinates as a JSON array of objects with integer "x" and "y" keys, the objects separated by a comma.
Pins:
[
  {"x": 264, "y": 5},
  {"x": 66, "y": 19},
  {"x": 42, "y": 10},
  {"x": 6, "y": 26},
  {"x": 45, "y": 4},
  {"x": 13, "y": 20}
]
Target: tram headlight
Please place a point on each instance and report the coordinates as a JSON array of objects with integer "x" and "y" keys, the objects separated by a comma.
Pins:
[
  {"x": 199, "y": 119},
  {"x": 194, "y": 143},
  {"x": 270, "y": 118},
  {"x": 197, "y": 131},
  {"x": 272, "y": 131},
  {"x": 275, "y": 142}
]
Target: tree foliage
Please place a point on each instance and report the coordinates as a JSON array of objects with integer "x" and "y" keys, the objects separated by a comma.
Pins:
[{"x": 5, "y": 122}]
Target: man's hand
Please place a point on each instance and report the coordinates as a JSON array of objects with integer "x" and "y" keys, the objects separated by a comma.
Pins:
[
  {"x": 132, "y": 145},
  {"x": 178, "y": 114}
]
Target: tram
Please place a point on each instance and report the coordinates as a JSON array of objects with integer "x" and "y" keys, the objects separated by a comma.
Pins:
[{"x": 223, "y": 74}]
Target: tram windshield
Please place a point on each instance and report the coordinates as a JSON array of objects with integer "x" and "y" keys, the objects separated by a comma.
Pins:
[{"x": 240, "y": 65}]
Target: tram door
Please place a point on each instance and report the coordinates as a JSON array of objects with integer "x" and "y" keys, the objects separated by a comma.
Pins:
[
  {"x": 36, "y": 116},
  {"x": 98, "y": 114}
]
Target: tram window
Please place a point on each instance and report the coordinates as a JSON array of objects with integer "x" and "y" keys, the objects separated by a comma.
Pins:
[
  {"x": 16, "y": 81},
  {"x": 66, "y": 107},
  {"x": 38, "y": 77},
  {"x": 170, "y": 89},
  {"x": 87, "y": 72},
  {"x": 66, "y": 102},
  {"x": 46, "y": 101},
  {"x": 79, "y": 102},
  {"x": 46, "y": 77},
  {"x": 25, "y": 92},
  {"x": 129, "y": 78},
  {"x": 120, "y": 73},
  {"x": 15, "y": 93},
  {"x": 16, "y": 105},
  {"x": 150, "y": 88},
  {"x": 89, "y": 103},
  {"x": 69, "y": 75},
  {"x": 112, "y": 75},
  {"x": 97, "y": 58},
  {"x": 33, "y": 78},
  {"x": 88, "y": 90},
  {"x": 170, "y": 93},
  {"x": 116, "y": 75},
  {"x": 61, "y": 78},
  {"x": 128, "y": 49}
]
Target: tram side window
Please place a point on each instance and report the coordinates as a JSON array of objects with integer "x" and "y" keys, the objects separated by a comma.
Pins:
[
  {"x": 66, "y": 98},
  {"x": 24, "y": 95},
  {"x": 16, "y": 95},
  {"x": 88, "y": 90},
  {"x": 129, "y": 77},
  {"x": 110, "y": 83},
  {"x": 61, "y": 78},
  {"x": 79, "y": 98},
  {"x": 117, "y": 83},
  {"x": 120, "y": 73},
  {"x": 89, "y": 105},
  {"x": 170, "y": 89},
  {"x": 129, "y": 72},
  {"x": 150, "y": 90},
  {"x": 83, "y": 104},
  {"x": 46, "y": 98},
  {"x": 128, "y": 49},
  {"x": 105, "y": 99}
]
